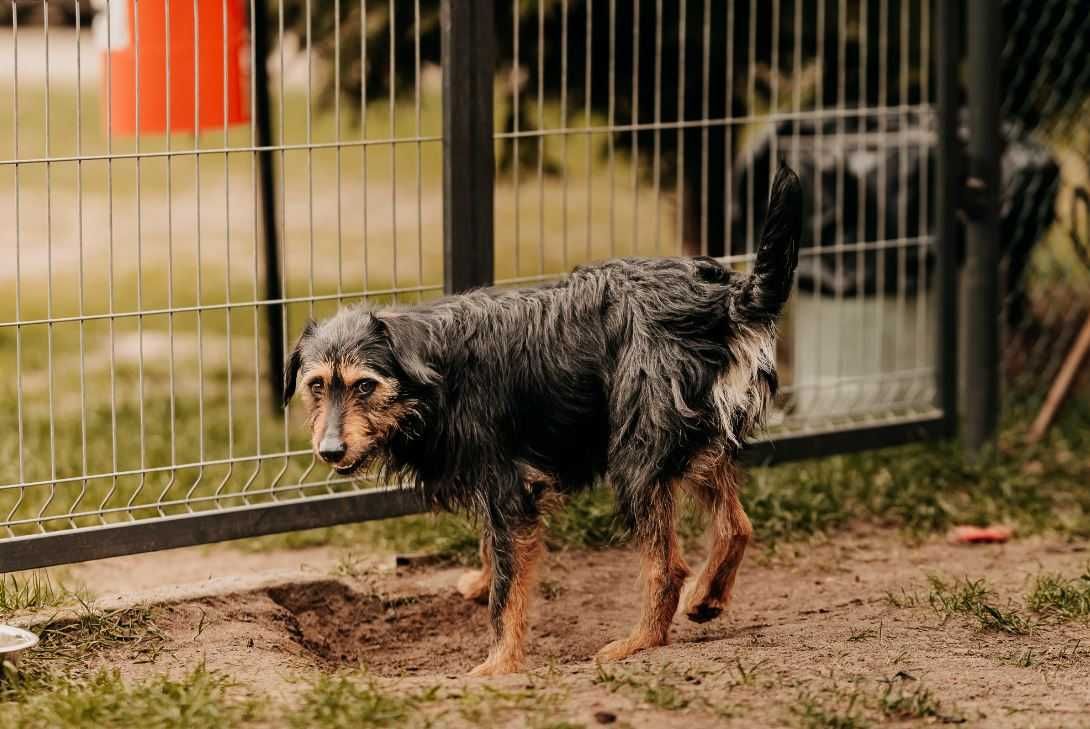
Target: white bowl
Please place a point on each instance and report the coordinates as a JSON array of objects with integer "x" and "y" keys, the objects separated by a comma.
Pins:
[{"x": 13, "y": 642}]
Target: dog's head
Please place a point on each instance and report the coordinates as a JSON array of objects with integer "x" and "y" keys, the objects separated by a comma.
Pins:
[{"x": 363, "y": 375}]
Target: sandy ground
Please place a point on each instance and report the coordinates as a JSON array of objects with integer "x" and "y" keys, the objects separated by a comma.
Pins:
[{"x": 812, "y": 624}]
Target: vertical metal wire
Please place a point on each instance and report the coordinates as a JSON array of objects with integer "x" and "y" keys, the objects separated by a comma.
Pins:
[
  {"x": 49, "y": 285},
  {"x": 861, "y": 227},
  {"x": 337, "y": 140},
  {"x": 679, "y": 183},
  {"x": 902, "y": 203},
  {"x": 516, "y": 158},
  {"x": 923, "y": 292},
  {"x": 637, "y": 9},
  {"x": 363, "y": 136},
  {"x": 140, "y": 272},
  {"x": 751, "y": 94},
  {"x": 419, "y": 174},
  {"x": 564, "y": 124},
  {"x": 110, "y": 293},
  {"x": 728, "y": 143},
  {"x": 256, "y": 296},
  {"x": 883, "y": 102},
  {"x": 228, "y": 311},
  {"x": 590, "y": 138},
  {"x": 172, "y": 478},
  {"x": 21, "y": 472},
  {"x": 704, "y": 132},
  {"x": 611, "y": 122},
  {"x": 285, "y": 423},
  {"x": 200, "y": 263},
  {"x": 80, "y": 282},
  {"x": 656, "y": 164},
  {"x": 540, "y": 137},
  {"x": 393, "y": 133}
]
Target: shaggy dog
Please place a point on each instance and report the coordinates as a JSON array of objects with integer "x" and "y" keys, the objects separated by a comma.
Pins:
[{"x": 646, "y": 373}]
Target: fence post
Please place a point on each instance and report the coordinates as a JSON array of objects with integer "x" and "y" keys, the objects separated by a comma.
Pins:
[
  {"x": 947, "y": 61},
  {"x": 274, "y": 312},
  {"x": 468, "y": 52},
  {"x": 980, "y": 303}
]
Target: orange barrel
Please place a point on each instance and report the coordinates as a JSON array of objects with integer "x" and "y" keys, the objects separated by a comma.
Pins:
[{"x": 133, "y": 33}]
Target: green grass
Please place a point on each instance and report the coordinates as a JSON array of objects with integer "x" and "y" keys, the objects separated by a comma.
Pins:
[
  {"x": 975, "y": 599},
  {"x": 199, "y": 699},
  {"x": 899, "y": 703},
  {"x": 835, "y": 711},
  {"x": 339, "y": 701},
  {"x": 1060, "y": 597},
  {"x": 31, "y": 591}
]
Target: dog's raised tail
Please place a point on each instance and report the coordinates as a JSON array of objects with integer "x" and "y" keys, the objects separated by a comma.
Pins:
[{"x": 778, "y": 251}]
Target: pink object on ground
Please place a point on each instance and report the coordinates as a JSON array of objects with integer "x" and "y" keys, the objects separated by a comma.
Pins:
[{"x": 980, "y": 535}]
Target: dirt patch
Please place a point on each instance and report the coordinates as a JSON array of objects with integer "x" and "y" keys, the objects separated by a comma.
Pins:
[
  {"x": 816, "y": 630},
  {"x": 390, "y": 636}
]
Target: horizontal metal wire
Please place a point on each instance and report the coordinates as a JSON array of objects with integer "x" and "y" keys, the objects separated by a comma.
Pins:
[
  {"x": 212, "y": 151},
  {"x": 224, "y": 306},
  {"x": 742, "y": 120}
]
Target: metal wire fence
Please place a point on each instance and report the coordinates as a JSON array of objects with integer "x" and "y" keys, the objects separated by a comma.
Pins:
[
  {"x": 1046, "y": 211},
  {"x": 147, "y": 258}
]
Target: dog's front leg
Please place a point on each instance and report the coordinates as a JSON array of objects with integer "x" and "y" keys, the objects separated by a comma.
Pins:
[{"x": 515, "y": 554}]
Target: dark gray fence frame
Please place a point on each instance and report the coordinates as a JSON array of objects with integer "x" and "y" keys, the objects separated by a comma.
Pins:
[{"x": 468, "y": 169}]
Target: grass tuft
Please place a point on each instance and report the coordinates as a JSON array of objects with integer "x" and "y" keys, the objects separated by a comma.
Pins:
[
  {"x": 975, "y": 599},
  {"x": 32, "y": 591},
  {"x": 344, "y": 701},
  {"x": 92, "y": 632},
  {"x": 900, "y": 704},
  {"x": 1061, "y": 598},
  {"x": 198, "y": 700},
  {"x": 842, "y": 712}
]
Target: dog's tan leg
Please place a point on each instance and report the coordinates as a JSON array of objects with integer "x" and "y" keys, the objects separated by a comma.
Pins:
[
  {"x": 716, "y": 486},
  {"x": 475, "y": 584},
  {"x": 509, "y": 601},
  {"x": 663, "y": 574}
]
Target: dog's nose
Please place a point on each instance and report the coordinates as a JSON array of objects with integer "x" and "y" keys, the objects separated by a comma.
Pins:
[{"x": 332, "y": 450}]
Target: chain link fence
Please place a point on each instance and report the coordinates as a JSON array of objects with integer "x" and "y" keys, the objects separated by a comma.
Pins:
[{"x": 1045, "y": 269}]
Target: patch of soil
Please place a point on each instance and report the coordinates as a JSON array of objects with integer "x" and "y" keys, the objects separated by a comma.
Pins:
[
  {"x": 813, "y": 620},
  {"x": 390, "y": 636}
]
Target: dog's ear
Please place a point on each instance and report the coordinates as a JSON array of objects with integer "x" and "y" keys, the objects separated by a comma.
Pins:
[
  {"x": 295, "y": 361},
  {"x": 408, "y": 339}
]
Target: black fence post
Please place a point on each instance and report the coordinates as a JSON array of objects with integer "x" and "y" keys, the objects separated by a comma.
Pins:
[
  {"x": 948, "y": 26},
  {"x": 274, "y": 312},
  {"x": 468, "y": 53},
  {"x": 980, "y": 305}
]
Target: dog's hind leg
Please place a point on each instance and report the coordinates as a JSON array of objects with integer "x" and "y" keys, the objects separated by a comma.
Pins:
[
  {"x": 515, "y": 555},
  {"x": 714, "y": 481},
  {"x": 475, "y": 584},
  {"x": 663, "y": 574}
]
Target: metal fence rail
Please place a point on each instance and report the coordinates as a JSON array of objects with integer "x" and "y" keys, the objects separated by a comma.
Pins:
[{"x": 146, "y": 268}]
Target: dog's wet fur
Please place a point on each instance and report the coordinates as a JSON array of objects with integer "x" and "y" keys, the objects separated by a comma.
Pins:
[{"x": 647, "y": 374}]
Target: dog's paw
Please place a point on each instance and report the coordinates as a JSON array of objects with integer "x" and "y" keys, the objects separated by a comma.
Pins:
[
  {"x": 703, "y": 611},
  {"x": 621, "y": 649},
  {"x": 497, "y": 666},
  {"x": 474, "y": 585}
]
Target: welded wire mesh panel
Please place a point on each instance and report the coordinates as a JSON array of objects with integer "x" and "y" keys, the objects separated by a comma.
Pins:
[
  {"x": 137, "y": 289},
  {"x": 1046, "y": 201},
  {"x": 643, "y": 127}
]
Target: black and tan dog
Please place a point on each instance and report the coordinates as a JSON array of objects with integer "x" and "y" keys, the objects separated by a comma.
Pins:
[{"x": 646, "y": 373}]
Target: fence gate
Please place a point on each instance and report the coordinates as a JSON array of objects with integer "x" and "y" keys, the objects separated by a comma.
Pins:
[{"x": 172, "y": 219}]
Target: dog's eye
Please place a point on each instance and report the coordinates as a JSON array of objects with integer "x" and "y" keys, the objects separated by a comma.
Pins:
[
  {"x": 365, "y": 387},
  {"x": 316, "y": 388}
]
